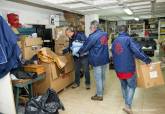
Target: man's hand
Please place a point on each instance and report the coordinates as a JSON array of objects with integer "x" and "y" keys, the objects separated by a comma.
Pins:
[{"x": 148, "y": 61}]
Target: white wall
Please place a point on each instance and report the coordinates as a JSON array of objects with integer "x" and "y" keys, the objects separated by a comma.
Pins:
[{"x": 27, "y": 14}]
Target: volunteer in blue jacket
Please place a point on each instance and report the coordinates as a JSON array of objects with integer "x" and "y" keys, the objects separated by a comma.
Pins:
[
  {"x": 97, "y": 45},
  {"x": 81, "y": 61},
  {"x": 124, "y": 51}
]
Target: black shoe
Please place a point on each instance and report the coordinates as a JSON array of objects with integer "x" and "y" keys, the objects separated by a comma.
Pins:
[
  {"x": 97, "y": 98},
  {"x": 88, "y": 87},
  {"x": 75, "y": 86}
]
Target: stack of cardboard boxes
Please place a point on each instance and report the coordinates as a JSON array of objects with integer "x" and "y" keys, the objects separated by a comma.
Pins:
[
  {"x": 61, "y": 40},
  {"x": 29, "y": 46},
  {"x": 75, "y": 20}
]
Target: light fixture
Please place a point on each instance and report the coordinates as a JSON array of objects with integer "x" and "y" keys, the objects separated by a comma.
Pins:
[
  {"x": 136, "y": 19},
  {"x": 58, "y": 1},
  {"x": 128, "y": 11}
]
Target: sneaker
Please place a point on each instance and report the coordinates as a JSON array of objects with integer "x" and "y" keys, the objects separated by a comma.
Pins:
[
  {"x": 127, "y": 110},
  {"x": 98, "y": 98},
  {"x": 88, "y": 87},
  {"x": 75, "y": 86}
]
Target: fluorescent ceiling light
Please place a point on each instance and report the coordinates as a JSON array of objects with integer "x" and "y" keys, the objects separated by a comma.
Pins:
[
  {"x": 136, "y": 19},
  {"x": 128, "y": 11},
  {"x": 58, "y": 1}
]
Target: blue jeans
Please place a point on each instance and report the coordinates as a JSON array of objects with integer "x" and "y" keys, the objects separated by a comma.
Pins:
[
  {"x": 82, "y": 63},
  {"x": 99, "y": 73},
  {"x": 128, "y": 87}
]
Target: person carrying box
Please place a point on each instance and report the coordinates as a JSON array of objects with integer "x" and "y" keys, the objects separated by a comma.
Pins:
[{"x": 124, "y": 52}]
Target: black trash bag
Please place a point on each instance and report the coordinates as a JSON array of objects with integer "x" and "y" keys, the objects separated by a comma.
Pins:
[{"x": 49, "y": 103}]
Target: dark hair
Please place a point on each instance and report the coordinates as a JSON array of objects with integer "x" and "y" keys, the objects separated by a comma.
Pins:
[{"x": 122, "y": 28}]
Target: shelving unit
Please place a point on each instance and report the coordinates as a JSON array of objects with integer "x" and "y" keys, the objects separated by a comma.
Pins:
[
  {"x": 138, "y": 28},
  {"x": 153, "y": 28},
  {"x": 161, "y": 29}
]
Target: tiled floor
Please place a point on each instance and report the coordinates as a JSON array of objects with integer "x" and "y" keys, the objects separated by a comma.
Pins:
[{"x": 146, "y": 101}]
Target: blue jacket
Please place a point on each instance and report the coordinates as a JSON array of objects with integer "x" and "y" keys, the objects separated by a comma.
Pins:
[
  {"x": 124, "y": 51},
  {"x": 78, "y": 36},
  {"x": 9, "y": 50},
  {"x": 97, "y": 45}
]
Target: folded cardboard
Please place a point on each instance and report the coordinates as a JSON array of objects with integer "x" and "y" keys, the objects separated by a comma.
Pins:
[
  {"x": 29, "y": 52},
  {"x": 149, "y": 75},
  {"x": 54, "y": 79},
  {"x": 39, "y": 69},
  {"x": 48, "y": 56}
]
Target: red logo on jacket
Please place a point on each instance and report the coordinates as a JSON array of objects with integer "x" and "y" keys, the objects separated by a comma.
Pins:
[
  {"x": 118, "y": 48},
  {"x": 104, "y": 40}
]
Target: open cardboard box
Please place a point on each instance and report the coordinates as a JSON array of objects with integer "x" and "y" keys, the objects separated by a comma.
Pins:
[{"x": 53, "y": 79}]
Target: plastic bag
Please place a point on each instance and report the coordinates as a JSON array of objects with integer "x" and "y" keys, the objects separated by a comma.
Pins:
[
  {"x": 76, "y": 47},
  {"x": 49, "y": 103}
]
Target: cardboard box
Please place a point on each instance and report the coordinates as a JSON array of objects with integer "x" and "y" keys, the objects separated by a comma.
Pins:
[
  {"x": 39, "y": 69},
  {"x": 70, "y": 63},
  {"x": 62, "y": 41},
  {"x": 29, "y": 52},
  {"x": 54, "y": 79},
  {"x": 31, "y": 42},
  {"x": 60, "y": 33},
  {"x": 30, "y": 47},
  {"x": 59, "y": 48},
  {"x": 149, "y": 75}
]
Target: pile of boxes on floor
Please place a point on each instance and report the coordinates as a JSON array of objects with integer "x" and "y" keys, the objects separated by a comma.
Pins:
[{"x": 59, "y": 68}]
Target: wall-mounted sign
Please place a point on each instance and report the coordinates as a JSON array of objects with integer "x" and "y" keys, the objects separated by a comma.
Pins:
[{"x": 54, "y": 19}]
